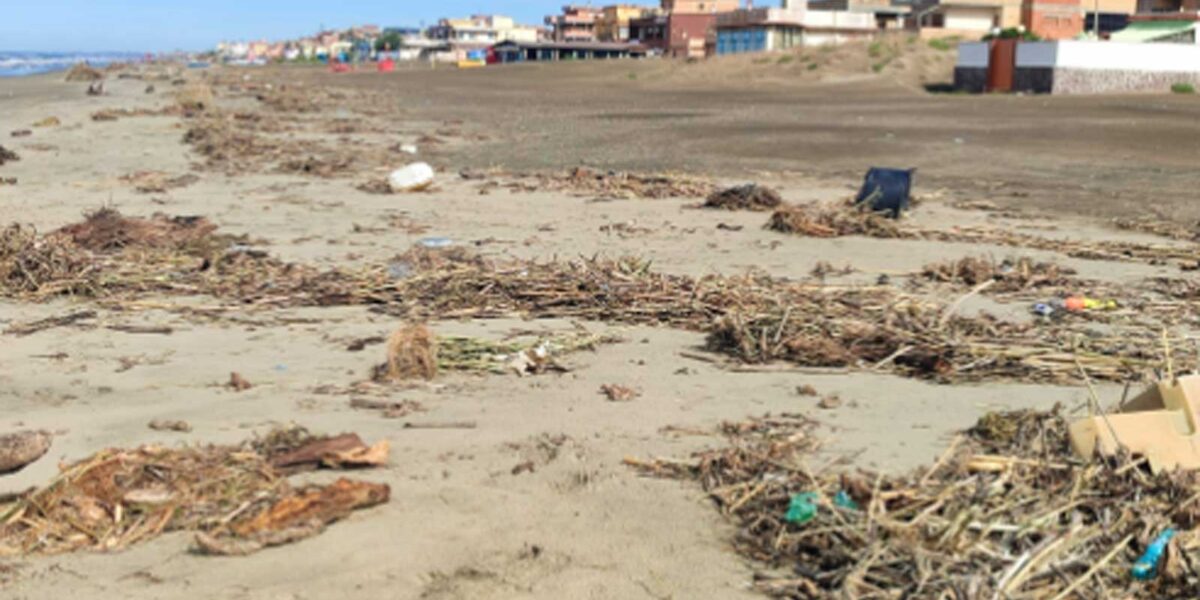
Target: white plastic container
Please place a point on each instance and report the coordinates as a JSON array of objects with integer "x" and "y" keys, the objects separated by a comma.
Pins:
[{"x": 413, "y": 178}]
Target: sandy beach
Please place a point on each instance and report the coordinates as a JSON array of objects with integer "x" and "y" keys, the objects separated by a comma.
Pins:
[{"x": 533, "y": 499}]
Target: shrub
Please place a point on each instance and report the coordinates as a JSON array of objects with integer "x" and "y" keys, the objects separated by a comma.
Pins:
[{"x": 1183, "y": 88}]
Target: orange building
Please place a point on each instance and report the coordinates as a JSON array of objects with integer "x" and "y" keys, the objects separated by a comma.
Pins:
[{"x": 1053, "y": 19}]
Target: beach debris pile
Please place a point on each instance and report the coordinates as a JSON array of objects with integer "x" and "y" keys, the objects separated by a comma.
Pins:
[
  {"x": 1009, "y": 275},
  {"x": 1162, "y": 227},
  {"x": 234, "y": 497},
  {"x": 1007, "y": 511},
  {"x": 415, "y": 353},
  {"x": 83, "y": 72},
  {"x": 751, "y": 318},
  {"x": 744, "y": 197},
  {"x": 239, "y": 143},
  {"x": 830, "y": 220},
  {"x": 604, "y": 185}
]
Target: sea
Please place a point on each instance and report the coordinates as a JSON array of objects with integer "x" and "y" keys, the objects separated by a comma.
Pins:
[{"x": 19, "y": 64}]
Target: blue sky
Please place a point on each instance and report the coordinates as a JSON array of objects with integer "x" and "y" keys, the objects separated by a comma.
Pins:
[{"x": 163, "y": 25}]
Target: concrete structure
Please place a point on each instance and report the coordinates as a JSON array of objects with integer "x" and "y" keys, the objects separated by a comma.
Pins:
[
  {"x": 516, "y": 52},
  {"x": 577, "y": 23},
  {"x": 1081, "y": 67},
  {"x": 769, "y": 29},
  {"x": 613, "y": 23}
]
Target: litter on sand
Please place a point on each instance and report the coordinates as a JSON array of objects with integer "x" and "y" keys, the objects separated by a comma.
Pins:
[
  {"x": 886, "y": 191},
  {"x": 1008, "y": 511}
]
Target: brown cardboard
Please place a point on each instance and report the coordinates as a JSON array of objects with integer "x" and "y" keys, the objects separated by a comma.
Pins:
[{"x": 1160, "y": 424}]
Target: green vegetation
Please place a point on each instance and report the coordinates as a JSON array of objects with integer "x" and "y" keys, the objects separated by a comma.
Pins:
[
  {"x": 875, "y": 50},
  {"x": 1183, "y": 88},
  {"x": 1013, "y": 33},
  {"x": 762, "y": 61},
  {"x": 785, "y": 59},
  {"x": 632, "y": 76},
  {"x": 941, "y": 44},
  {"x": 813, "y": 66},
  {"x": 388, "y": 41}
]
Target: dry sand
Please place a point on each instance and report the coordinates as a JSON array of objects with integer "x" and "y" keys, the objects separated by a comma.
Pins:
[{"x": 460, "y": 523}]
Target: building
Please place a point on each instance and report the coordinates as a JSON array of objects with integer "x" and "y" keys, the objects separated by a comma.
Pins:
[
  {"x": 1047, "y": 19},
  {"x": 650, "y": 31},
  {"x": 887, "y": 16},
  {"x": 771, "y": 29},
  {"x": 759, "y": 30},
  {"x": 461, "y": 37},
  {"x": 517, "y": 52},
  {"x": 691, "y": 25},
  {"x": 613, "y": 23},
  {"x": 577, "y": 23}
]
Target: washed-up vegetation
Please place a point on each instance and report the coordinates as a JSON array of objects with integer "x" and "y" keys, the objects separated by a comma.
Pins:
[
  {"x": 234, "y": 497},
  {"x": 1007, "y": 512}
]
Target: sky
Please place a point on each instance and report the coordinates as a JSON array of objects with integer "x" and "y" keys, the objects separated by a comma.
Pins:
[{"x": 166, "y": 25}]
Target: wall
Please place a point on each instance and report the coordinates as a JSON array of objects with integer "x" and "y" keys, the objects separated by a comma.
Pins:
[
  {"x": 838, "y": 19},
  {"x": 1071, "y": 67},
  {"x": 970, "y": 18},
  {"x": 1054, "y": 19},
  {"x": 685, "y": 32}
]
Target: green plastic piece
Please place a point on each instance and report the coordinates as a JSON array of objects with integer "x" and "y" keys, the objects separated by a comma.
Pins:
[{"x": 802, "y": 509}]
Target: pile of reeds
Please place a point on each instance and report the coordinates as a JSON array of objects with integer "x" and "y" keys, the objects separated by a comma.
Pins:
[
  {"x": 583, "y": 181},
  {"x": 32, "y": 264},
  {"x": 1007, "y": 512},
  {"x": 832, "y": 220},
  {"x": 1010, "y": 275},
  {"x": 83, "y": 72},
  {"x": 1172, "y": 229},
  {"x": 752, "y": 318}
]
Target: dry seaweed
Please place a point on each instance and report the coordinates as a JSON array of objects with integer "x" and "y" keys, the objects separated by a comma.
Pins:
[
  {"x": 83, "y": 72},
  {"x": 1010, "y": 275},
  {"x": 1007, "y": 512},
  {"x": 745, "y": 197},
  {"x": 832, "y": 220},
  {"x": 117, "y": 498},
  {"x": 583, "y": 181}
]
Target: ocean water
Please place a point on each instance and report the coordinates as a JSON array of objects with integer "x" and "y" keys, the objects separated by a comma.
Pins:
[{"x": 18, "y": 64}]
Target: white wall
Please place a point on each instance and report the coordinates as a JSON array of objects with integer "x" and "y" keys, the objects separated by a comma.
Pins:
[
  {"x": 840, "y": 19},
  {"x": 970, "y": 18},
  {"x": 1109, "y": 56},
  {"x": 973, "y": 55}
]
